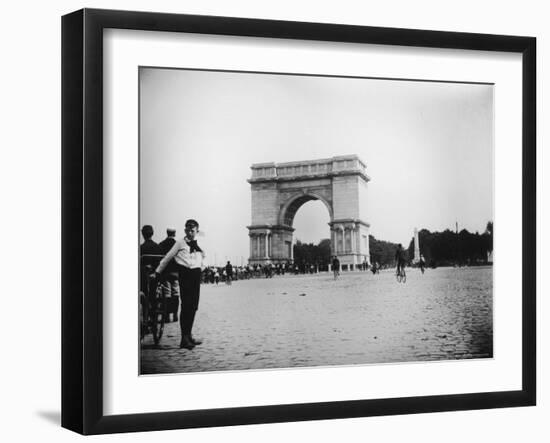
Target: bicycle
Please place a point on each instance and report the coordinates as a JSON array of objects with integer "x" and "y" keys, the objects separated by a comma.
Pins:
[
  {"x": 153, "y": 308},
  {"x": 157, "y": 312},
  {"x": 401, "y": 275}
]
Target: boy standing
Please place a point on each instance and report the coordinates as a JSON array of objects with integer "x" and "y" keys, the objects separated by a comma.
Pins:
[{"x": 189, "y": 261}]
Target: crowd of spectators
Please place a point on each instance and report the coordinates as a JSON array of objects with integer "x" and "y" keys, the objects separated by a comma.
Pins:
[{"x": 229, "y": 273}]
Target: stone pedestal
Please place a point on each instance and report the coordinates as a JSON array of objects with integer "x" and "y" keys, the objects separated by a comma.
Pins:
[
  {"x": 350, "y": 242},
  {"x": 270, "y": 244}
]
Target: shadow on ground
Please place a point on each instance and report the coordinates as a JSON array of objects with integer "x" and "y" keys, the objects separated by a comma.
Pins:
[{"x": 54, "y": 417}]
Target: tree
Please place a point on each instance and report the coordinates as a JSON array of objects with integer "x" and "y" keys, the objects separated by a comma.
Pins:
[
  {"x": 312, "y": 254},
  {"x": 382, "y": 252},
  {"x": 449, "y": 248}
]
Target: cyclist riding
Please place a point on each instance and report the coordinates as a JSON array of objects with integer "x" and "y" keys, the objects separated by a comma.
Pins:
[
  {"x": 400, "y": 259},
  {"x": 422, "y": 263},
  {"x": 336, "y": 267},
  {"x": 228, "y": 273}
]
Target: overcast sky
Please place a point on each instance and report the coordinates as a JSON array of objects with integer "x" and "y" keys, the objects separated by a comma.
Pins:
[{"x": 428, "y": 148}]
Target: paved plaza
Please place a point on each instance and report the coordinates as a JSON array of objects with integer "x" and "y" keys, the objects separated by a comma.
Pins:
[{"x": 312, "y": 320}]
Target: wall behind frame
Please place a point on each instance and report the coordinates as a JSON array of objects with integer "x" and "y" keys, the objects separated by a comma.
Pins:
[{"x": 30, "y": 173}]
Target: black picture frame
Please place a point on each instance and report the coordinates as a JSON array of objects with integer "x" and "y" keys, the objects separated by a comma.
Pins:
[{"x": 82, "y": 218}]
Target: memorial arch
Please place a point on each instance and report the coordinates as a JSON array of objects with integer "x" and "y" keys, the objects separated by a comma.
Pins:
[{"x": 278, "y": 192}]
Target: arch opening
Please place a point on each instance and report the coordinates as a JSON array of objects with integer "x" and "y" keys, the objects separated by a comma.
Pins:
[
  {"x": 312, "y": 237},
  {"x": 289, "y": 210},
  {"x": 311, "y": 222}
]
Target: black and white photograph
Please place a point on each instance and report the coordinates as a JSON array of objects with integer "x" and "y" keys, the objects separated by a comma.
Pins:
[
  {"x": 274, "y": 221},
  {"x": 291, "y": 220}
]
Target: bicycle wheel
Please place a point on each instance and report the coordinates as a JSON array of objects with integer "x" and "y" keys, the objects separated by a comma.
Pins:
[
  {"x": 158, "y": 313},
  {"x": 142, "y": 316}
]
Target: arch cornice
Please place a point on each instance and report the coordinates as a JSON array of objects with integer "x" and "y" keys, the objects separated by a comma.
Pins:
[
  {"x": 310, "y": 169},
  {"x": 348, "y": 221},
  {"x": 255, "y": 229}
]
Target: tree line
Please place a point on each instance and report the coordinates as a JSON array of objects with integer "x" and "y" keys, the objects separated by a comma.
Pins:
[
  {"x": 450, "y": 248},
  {"x": 312, "y": 254},
  {"x": 447, "y": 248}
]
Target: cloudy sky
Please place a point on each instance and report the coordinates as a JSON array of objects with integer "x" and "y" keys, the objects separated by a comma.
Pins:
[{"x": 428, "y": 148}]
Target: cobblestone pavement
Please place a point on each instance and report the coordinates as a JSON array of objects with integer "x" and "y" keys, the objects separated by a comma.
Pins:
[{"x": 294, "y": 321}]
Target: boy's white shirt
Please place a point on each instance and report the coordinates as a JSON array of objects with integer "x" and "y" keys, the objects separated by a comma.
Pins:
[{"x": 181, "y": 253}]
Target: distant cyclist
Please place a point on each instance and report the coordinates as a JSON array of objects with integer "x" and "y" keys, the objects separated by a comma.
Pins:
[
  {"x": 228, "y": 273},
  {"x": 336, "y": 267},
  {"x": 422, "y": 264},
  {"x": 400, "y": 259}
]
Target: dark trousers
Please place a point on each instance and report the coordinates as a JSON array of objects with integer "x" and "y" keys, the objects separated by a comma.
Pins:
[{"x": 190, "y": 286}]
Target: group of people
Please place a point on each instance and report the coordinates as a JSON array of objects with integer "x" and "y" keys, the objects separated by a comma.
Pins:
[
  {"x": 229, "y": 273},
  {"x": 217, "y": 274},
  {"x": 178, "y": 264},
  {"x": 400, "y": 260}
]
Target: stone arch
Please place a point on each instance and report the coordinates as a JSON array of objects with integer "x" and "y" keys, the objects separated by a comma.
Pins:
[{"x": 279, "y": 190}]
